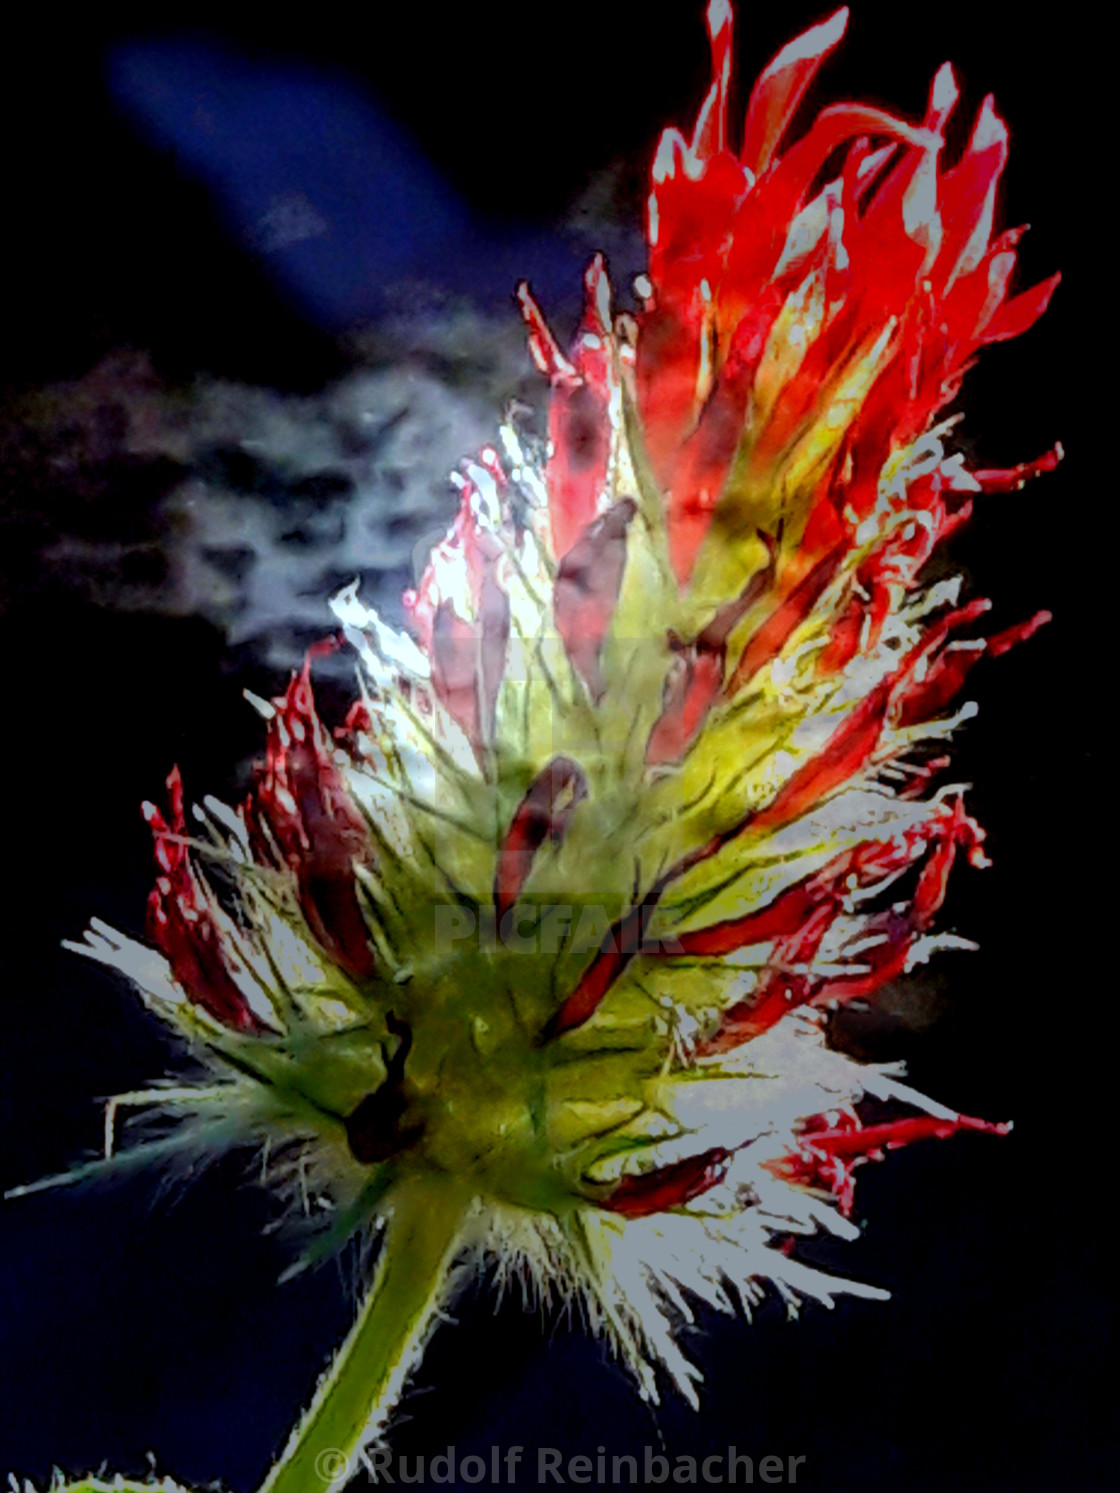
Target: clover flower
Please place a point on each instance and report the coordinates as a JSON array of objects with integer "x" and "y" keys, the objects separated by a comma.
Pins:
[{"x": 532, "y": 958}]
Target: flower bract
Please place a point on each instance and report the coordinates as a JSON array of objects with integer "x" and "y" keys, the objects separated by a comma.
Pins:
[{"x": 653, "y": 780}]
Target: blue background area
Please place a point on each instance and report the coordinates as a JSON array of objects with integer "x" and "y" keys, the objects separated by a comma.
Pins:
[
  {"x": 291, "y": 150},
  {"x": 260, "y": 133},
  {"x": 144, "y": 153}
]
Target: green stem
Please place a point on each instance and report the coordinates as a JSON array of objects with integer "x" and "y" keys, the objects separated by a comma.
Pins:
[{"x": 371, "y": 1366}]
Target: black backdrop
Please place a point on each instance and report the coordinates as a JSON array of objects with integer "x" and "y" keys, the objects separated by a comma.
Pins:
[{"x": 131, "y": 1325}]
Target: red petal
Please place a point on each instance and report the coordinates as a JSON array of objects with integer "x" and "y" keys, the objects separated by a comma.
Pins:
[
  {"x": 620, "y": 943},
  {"x": 842, "y": 756},
  {"x": 780, "y": 87},
  {"x": 966, "y": 196},
  {"x": 923, "y": 699},
  {"x": 885, "y": 960},
  {"x": 183, "y": 925},
  {"x": 772, "y": 636},
  {"x": 689, "y": 693},
  {"x": 792, "y": 909},
  {"x": 468, "y": 660},
  {"x": 542, "y": 814},
  {"x": 669, "y": 1186},
  {"x": 844, "y": 638},
  {"x": 579, "y": 413},
  {"x": 696, "y": 477},
  {"x": 779, "y": 991},
  {"x": 710, "y": 133},
  {"x": 788, "y": 914},
  {"x": 542, "y": 344},
  {"x": 1010, "y": 479},
  {"x": 888, "y": 958},
  {"x": 301, "y": 809},
  {"x": 1020, "y": 313},
  {"x": 762, "y": 222},
  {"x": 851, "y": 745},
  {"x": 1000, "y": 642},
  {"x": 801, "y": 916},
  {"x": 929, "y": 895},
  {"x": 577, "y": 470},
  {"x": 587, "y": 587},
  {"x": 692, "y": 209},
  {"x": 454, "y": 653},
  {"x": 863, "y": 1141},
  {"x": 666, "y": 374},
  {"x": 827, "y": 1157},
  {"x": 939, "y": 688}
]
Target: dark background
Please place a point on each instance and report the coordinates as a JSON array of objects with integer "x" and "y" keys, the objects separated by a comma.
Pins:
[{"x": 132, "y": 1323}]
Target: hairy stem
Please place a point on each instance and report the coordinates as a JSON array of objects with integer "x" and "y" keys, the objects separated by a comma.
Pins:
[{"x": 384, "y": 1344}]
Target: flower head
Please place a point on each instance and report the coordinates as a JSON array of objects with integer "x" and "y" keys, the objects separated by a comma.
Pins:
[{"x": 650, "y": 784}]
